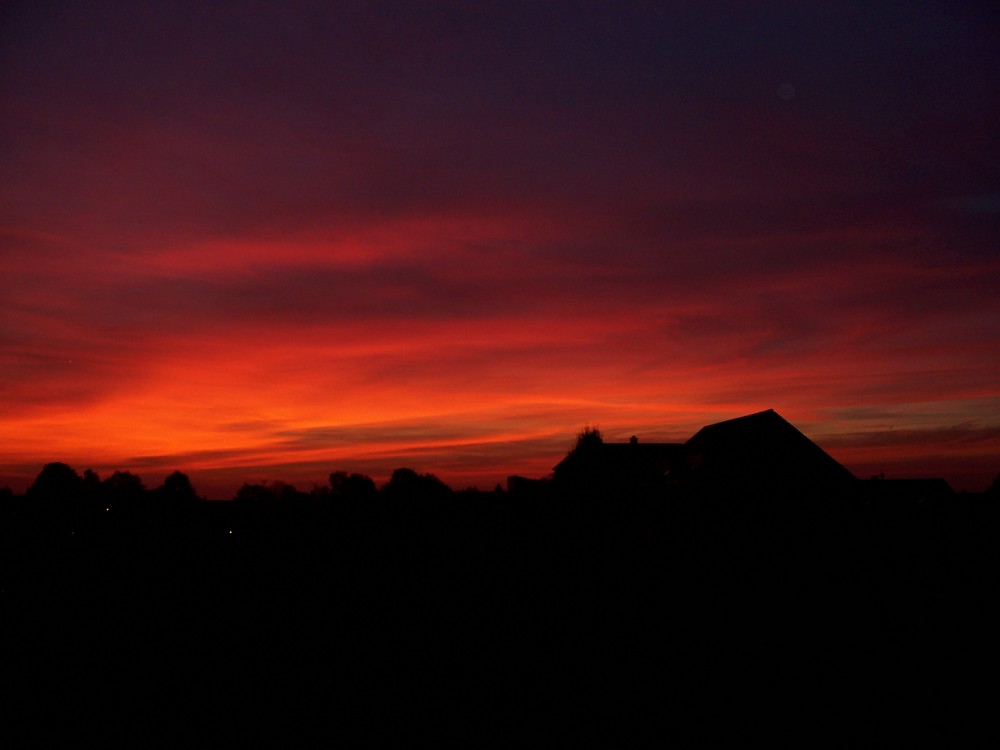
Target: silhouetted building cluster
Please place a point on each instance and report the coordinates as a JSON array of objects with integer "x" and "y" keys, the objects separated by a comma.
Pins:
[{"x": 760, "y": 454}]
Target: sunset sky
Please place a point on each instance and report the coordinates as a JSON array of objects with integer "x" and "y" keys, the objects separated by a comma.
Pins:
[{"x": 258, "y": 241}]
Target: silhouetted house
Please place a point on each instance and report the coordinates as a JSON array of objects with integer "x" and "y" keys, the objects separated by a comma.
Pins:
[
  {"x": 760, "y": 450},
  {"x": 759, "y": 453},
  {"x": 627, "y": 466}
]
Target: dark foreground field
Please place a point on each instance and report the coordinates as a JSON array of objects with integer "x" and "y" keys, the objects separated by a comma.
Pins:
[{"x": 490, "y": 619}]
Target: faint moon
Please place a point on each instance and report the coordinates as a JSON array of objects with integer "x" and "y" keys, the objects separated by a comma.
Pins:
[{"x": 786, "y": 91}]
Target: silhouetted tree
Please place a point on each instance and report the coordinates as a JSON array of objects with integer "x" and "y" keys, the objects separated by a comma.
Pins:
[
  {"x": 264, "y": 492},
  {"x": 344, "y": 486},
  {"x": 177, "y": 487},
  {"x": 54, "y": 498},
  {"x": 91, "y": 481},
  {"x": 284, "y": 492},
  {"x": 588, "y": 438},
  {"x": 56, "y": 481},
  {"x": 254, "y": 493},
  {"x": 320, "y": 492},
  {"x": 124, "y": 484},
  {"x": 408, "y": 483},
  {"x": 123, "y": 489},
  {"x": 581, "y": 465},
  {"x": 94, "y": 494}
]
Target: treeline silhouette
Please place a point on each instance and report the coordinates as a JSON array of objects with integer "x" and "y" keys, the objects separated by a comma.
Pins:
[{"x": 690, "y": 610}]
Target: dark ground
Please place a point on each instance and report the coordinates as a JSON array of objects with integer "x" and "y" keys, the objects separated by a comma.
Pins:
[{"x": 488, "y": 619}]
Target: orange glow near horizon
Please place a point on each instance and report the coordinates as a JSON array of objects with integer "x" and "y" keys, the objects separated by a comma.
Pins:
[{"x": 251, "y": 393}]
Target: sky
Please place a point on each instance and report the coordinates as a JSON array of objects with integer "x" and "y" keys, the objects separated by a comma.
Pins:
[{"x": 261, "y": 241}]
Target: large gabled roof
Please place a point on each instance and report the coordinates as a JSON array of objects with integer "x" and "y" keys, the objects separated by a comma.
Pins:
[{"x": 762, "y": 443}]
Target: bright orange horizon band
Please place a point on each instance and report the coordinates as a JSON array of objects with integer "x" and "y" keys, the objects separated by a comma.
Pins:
[{"x": 252, "y": 393}]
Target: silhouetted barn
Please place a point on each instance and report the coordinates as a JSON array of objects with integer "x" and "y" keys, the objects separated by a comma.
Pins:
[{"x": 762, "y": 450}]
